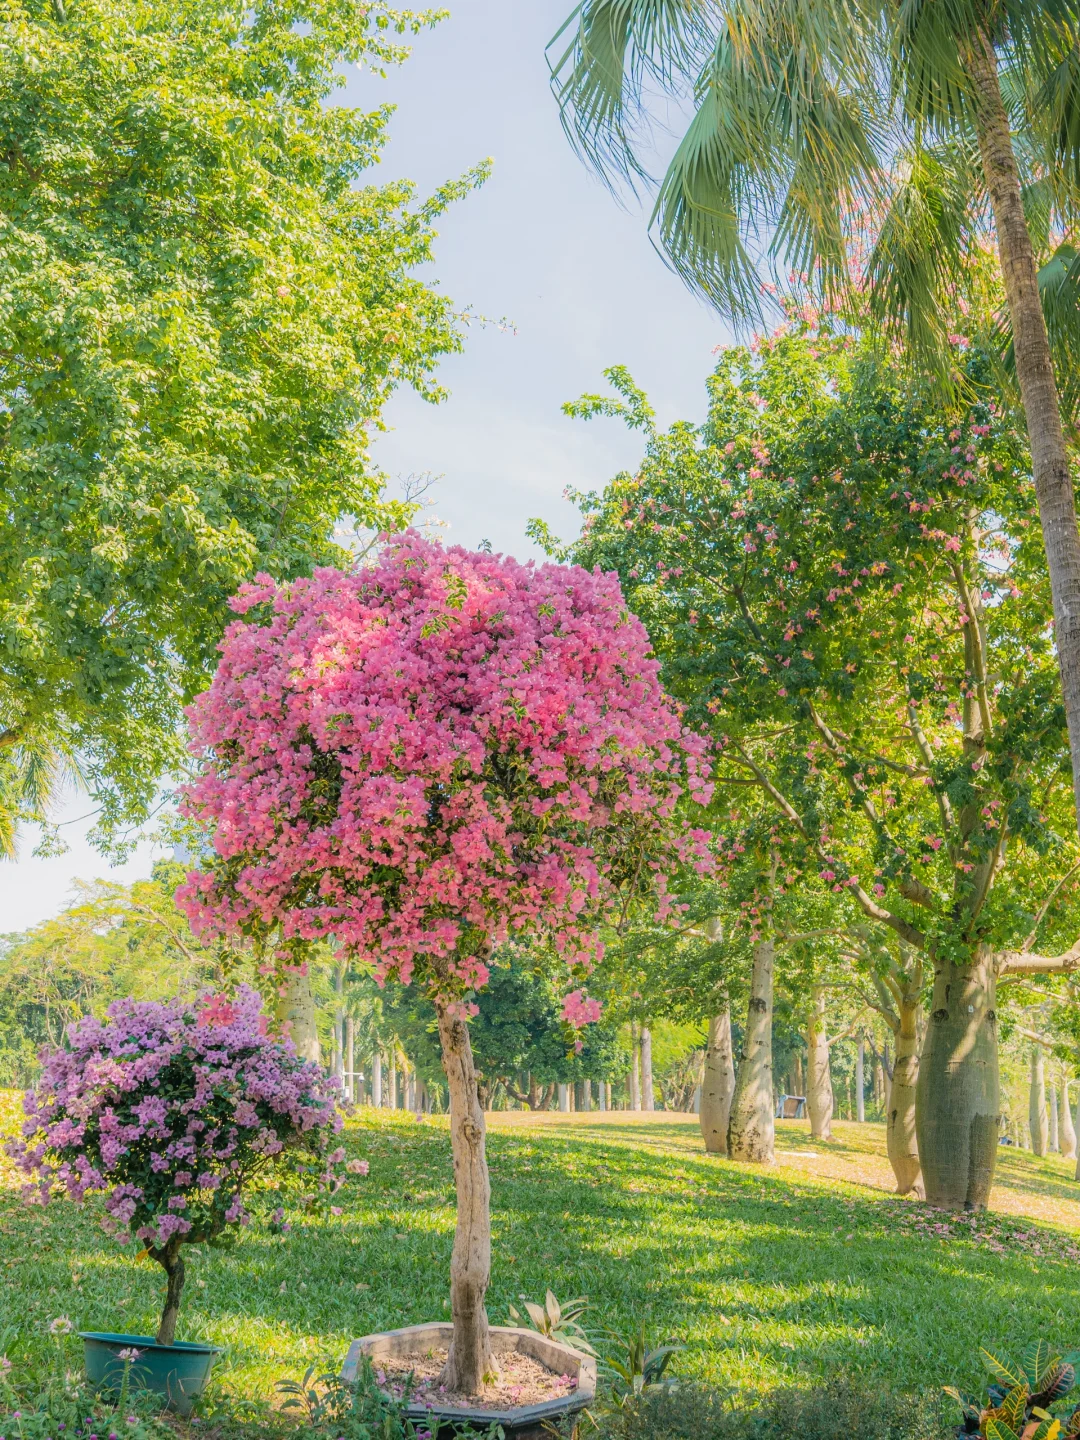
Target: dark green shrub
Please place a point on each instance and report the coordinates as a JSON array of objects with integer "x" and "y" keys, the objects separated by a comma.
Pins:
[{"x": 840, "y": 1410}]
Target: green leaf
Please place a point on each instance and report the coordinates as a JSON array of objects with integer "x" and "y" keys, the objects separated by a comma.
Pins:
[{"x": 1012, "y": 1377}]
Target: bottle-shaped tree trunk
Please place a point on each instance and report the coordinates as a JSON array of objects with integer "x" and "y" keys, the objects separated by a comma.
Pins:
[
  {"x": 819, "y": 1090},
  {"x": 1038, "y": 1126},
  {"x": 647, "y": 1098},
  {"x": 957, "y": 1102},
  {"x": 1055, "y": 1146},
  {"x": 901, "y": 1139},
  {"x": 296, "y": 1011},
  {"x": 1068, "y": 1130},
  {"x": 470, "y": 1358},
  {"x": 718, "y": 1084},
  {"x": 751, "y": 1130}
]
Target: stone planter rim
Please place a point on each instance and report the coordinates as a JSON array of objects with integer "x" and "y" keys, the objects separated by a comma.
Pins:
[{"x": 390, "y": 1342}]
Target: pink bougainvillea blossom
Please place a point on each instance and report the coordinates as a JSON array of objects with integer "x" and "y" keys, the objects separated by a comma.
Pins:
[{"x": 427, "y": 755}]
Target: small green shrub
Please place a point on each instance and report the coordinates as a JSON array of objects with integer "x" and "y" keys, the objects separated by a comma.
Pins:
[{"x": 844, "y": 1409}]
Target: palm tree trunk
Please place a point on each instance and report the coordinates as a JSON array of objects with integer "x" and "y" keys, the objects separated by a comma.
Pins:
[
  {"x": 470, "y": 1357},
  {"x": 1035, "y": 372},
  {"x": 718, "y": 1084}
]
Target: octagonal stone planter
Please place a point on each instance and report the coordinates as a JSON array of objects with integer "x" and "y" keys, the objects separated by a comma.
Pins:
[{"x": 521, "y": 1422}]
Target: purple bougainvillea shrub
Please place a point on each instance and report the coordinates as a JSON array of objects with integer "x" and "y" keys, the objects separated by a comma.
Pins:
[{"x": 172, "y": 1110}]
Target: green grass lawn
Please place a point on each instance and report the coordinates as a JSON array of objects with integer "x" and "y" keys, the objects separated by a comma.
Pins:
[{"x": 768, "y": 1277}]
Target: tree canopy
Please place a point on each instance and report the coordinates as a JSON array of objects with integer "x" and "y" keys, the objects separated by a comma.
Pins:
[{"x": 203, "y": 309}]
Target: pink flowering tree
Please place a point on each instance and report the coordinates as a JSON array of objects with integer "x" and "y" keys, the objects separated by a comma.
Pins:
[
  {"x": 172, "y": 1110},
  {"x": 421, "y": 759}
]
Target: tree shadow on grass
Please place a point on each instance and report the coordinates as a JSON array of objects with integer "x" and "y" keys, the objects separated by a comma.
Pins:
[{"x": 766, "y": 1278}]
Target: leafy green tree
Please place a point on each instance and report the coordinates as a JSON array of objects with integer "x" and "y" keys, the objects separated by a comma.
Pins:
[
  {"x": 852, "y": 589},
  {"x": 110, "y": 942},
  {"x": 817, "y": 125},
  {"x": 517, "y": 1034},
  {"x": 203, "y": 310}
]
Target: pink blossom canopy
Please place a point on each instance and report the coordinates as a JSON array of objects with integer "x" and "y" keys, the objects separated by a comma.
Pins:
[{"x": 427, "y": 754}]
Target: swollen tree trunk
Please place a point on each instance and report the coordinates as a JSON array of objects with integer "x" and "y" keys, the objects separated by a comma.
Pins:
[
  {"x": 1035, "y": 372},
  {"x": 296, "y": 1009},
  {"x": 751, "y": 1131},
  {"x": 718, "y": 1084},
  {"x": 900, "y": 1133},
  {"x": 819, "y": 1091},
  {"x": 170, "y": 1258},
  {"x": 1037, "y": 1123},
  {"x": 647, "y": 1100},
  {"x": 957, "y": 1110},
  {"x": 470, "y": 1358},
  {"x": 1055, "y": 1145},
  {"x": 1068, "y": 1130}
]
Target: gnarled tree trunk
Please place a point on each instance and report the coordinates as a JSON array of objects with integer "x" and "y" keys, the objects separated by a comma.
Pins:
[
  {"x": 1037, "y": 1122},
  {"x": 296, "y": 1009},
  {"x": 718, "y": 1084},
  {"x": 957, "y": 1109},
  {"x": 751, "y": 1130},
  {"x": 900, "y": 1133},
  {"x": 170, "y": 1258},
  {"x": 819, "y": 1091},
  {"x": 470, "y": 1358}
]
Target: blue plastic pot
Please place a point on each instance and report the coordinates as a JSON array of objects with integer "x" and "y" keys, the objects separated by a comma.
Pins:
[{"x": 177, "y": 1372}]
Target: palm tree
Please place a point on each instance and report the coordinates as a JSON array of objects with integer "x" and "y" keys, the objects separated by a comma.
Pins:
[
  {"x": 924, "y": 121},
  {"x": 33, "y": 770}
]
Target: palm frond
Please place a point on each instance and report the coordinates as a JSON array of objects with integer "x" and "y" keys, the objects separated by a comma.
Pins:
[
  {"x": 917, "y": 262},
  {"x": 1059, "y": 291},
  {"x": 603, "y": 55}
]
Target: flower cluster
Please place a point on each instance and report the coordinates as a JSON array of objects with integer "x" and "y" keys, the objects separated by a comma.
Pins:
[
  {"x": 172, "y": 1109},
  {"x": 427, "y": 755}
]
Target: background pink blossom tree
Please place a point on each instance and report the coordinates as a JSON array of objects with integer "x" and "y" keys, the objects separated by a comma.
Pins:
[{"x": 420, "y": 759}]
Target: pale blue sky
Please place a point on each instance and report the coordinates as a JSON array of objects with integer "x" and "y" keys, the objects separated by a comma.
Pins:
[{"x": 543, "y": 244}]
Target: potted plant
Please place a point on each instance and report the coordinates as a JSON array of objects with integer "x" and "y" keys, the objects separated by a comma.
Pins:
[
  {"x": 420, "y": 759},
  {"x": 172, "y": 1109}
]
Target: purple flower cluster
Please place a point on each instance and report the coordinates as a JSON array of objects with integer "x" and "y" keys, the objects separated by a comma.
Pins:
[{"x": 172, "y": 1109}]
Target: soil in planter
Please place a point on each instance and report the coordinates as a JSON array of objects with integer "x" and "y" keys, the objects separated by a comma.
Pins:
[{"x": 521, "y": 1381}]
